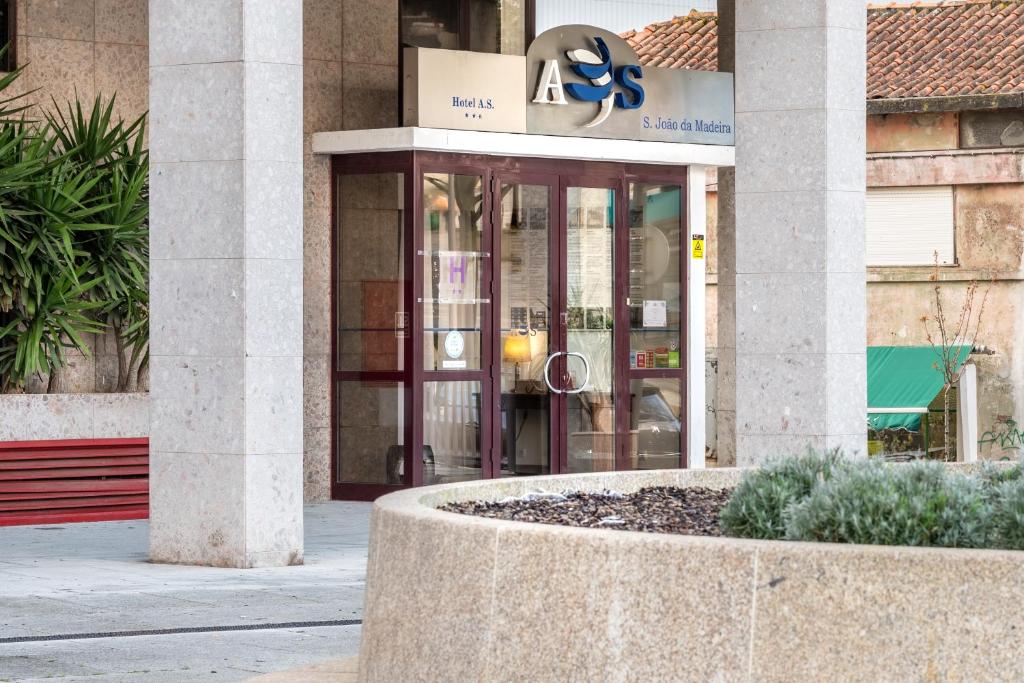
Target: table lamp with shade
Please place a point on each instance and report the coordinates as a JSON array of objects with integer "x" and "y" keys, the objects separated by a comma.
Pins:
[{"x": 517, "y": 350}]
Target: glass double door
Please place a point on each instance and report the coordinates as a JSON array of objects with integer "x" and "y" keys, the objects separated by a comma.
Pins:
[
  {"x": 555, "y": 305},
  {"x": 497, "y": 317},
  {"x": 549, "y": 345}
]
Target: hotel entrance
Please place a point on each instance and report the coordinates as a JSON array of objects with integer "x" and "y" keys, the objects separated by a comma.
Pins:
[
  {"x": 500, "y": 316},
  {"x": 518, "y": 273}
]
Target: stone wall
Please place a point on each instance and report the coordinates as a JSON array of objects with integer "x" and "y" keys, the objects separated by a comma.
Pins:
[
  {"x": 85, "y": 48},
  {"x": 736, "y": 609},
  {"x": 74, "y": 416},
  {"x": 350, "y": 82}
]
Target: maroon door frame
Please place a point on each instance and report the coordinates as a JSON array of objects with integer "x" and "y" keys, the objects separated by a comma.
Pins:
[
  {"x": 493, "y": 171},
  {"x": 457, "y": 166},
  {"x": 616, "y": 183},
  {"x": 659, "y": 176},
  {"x": 390, "y": 162},
  {"x": 556, "y": 333}
]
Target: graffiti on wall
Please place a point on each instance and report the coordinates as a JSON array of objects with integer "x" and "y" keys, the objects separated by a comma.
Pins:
[{"x": 1007, "y": 436}]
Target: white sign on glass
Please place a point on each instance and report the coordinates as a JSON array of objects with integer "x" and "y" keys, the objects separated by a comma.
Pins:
[
  {"x": 454, "y": 343},
  {"x": 655, "y": 313}
]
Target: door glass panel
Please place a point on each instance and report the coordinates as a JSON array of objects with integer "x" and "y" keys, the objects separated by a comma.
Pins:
[
  {"x": 655, "y": 303},
  {"x": 451, "y": 431},
  {"x": 430, "y": 23},
  {"x": 655, "y": 425},
  {"x": 371, "y": 432},
  {"x": 453, "y": 265},
  {"x": 590, "y": 318},
  {"x": 496, "y": 26},
  {"x": 372, "y": 313},
  {"x": 525, "y": 325}
]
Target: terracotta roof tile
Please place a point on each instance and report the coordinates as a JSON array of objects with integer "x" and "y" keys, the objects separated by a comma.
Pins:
[{"x": 965, "y": 47}]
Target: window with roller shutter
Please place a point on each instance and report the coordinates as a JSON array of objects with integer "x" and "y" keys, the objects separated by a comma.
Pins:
[{"x": 908, "y": 226}]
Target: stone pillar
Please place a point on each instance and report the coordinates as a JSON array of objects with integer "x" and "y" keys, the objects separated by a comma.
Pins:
[
  {"x": 800, "y": 274},
  {"x": 725, "y": 386},
  {"x": 226, "y": 282}
]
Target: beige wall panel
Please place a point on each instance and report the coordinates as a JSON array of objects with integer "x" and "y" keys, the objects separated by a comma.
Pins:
[
  {"x": 61, "y": 69},
  {"x": 122, "y": 21},
  {"x": 68, "y": 19},
  {"x": 912, "y": 132},
  {"x": 322, "y": 30},
  {"x": 711, "y": 235},
  {"x": 370, "y": 32},
  {"x": 316, "y": 465},
  {"x": 711, "y": 320},
  {"x": 322, "y": 111},
  {"x": 945, "y": 168},
  {"x": 322, "y": 89},
  {"x": 370, "y": 96},
  {"x": 990, "y": 227},
  {"x": 122, "y": 71}
]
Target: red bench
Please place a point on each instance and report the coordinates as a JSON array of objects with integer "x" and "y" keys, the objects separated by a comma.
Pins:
[{"x": 75, "y": 480}]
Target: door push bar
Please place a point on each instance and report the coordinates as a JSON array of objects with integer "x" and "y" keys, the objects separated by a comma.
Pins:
[{"x": 547, "y": 376}]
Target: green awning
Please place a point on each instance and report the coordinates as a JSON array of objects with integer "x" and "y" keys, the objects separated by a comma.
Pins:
[{"x": 904, "y": 377}]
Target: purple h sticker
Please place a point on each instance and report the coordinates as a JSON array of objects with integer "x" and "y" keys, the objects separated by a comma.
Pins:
[{"x": 456, "y": 264}]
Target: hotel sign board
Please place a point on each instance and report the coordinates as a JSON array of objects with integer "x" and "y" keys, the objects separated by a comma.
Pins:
[
  {"x": 577, "y": 81},
  {"x": 464, "y": 90}
]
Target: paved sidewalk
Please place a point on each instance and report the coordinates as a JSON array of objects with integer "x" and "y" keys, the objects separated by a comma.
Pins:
[
  {"x": 331, "y": 671},
  {"x": 60, "y": 581}
]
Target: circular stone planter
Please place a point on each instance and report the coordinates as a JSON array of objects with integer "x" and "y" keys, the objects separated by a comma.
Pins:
[{"x": 452, "y": 597}]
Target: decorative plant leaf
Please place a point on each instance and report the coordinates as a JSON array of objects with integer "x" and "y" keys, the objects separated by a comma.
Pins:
[{"x": 74, "y": 233}]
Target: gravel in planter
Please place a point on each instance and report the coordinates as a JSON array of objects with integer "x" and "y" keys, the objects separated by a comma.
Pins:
[{"x": 660, "y": 509}]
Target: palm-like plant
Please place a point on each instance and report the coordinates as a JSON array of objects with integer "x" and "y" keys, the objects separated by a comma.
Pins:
[
  {"x": 52, "y": 314},
  {"x": 116, "y": 251},
  {"x": 73, "y": 238},
  {"x": 45, "y": 204}
]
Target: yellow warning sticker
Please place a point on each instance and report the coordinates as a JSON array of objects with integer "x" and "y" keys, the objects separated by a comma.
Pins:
[{"x": 698, "y": 246}]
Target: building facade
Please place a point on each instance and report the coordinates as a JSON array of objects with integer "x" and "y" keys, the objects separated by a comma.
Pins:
[
  {"x": 265, "y": 120},
  {"x": 944, "y": 183}
]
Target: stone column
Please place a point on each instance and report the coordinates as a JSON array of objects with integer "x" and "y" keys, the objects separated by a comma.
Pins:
[
  {"x": 800, "y": 275},
  {"x": 725, "y": 385},
  {"x": 226, "y": 282}
]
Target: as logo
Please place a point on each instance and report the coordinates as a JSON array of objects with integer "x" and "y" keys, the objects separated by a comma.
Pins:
[{"x": 602, "y": 75}]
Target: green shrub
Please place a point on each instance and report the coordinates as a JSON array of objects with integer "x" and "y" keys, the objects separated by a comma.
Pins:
[
  {"x": 1008, "y": 513},
  {"x": 992, "y": 476},
  {"x": 916, "y": 504},
  {"x": 757, "y": 506}
]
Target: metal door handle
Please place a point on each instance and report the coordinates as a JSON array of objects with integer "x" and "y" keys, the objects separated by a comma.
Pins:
[
  {"x": 547, "y": 378},
  {"x": 586, "y": 377}
]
